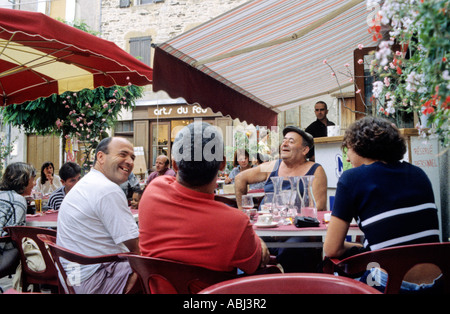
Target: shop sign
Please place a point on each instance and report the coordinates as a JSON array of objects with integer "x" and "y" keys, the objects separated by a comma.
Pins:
[{"x": 178, "y": 111}]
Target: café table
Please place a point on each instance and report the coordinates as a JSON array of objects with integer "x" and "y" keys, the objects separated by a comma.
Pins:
[
  {"x": 292, "y": 231},
  {"x": 254, "y": 193},
  {"x": 48, "y": 219}
]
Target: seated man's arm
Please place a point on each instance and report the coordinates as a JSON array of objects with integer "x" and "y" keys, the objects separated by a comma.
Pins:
[
  {"x": 252, "y": 175},
  {"x": 133, "y": 246}
]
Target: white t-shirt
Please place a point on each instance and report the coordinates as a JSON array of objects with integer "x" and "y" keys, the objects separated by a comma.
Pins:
[{"x": 94, "y": 219}]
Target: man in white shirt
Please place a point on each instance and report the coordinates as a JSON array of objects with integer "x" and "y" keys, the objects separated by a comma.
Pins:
[{"x": 94, "y": 219}]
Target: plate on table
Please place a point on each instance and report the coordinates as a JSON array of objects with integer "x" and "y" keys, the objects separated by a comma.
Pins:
[{"x": 271, "y": 225}]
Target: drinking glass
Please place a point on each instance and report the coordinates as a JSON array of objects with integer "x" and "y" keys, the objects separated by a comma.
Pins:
[
  {"x": 247, "y": 206},
  {"x": 267, "y": 203},
  {"x": 281, "y": 204},
  {"x": 37, "y": 196}
]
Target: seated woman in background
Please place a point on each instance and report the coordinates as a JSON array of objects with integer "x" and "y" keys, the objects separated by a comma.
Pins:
[
  {"x": 392, "y": 200},
  {"x": 242, "y": 163},
  {"x": 49, "y": 181},
  {"x": 17, "y": 181}
]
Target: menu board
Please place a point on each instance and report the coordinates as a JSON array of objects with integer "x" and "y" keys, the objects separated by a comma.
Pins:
[{"x": 424, "y": 154}]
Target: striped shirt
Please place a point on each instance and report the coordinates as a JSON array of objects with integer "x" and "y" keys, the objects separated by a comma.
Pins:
[
  {"x": 392, "y": 203},
  {"x": 56, "y": 198}
]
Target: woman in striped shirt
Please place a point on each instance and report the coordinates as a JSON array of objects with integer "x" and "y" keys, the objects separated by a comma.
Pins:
[{"x": 391, "y": 200}]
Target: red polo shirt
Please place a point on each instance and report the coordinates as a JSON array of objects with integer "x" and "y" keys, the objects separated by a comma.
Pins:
[{"x": 180, "y": 224}]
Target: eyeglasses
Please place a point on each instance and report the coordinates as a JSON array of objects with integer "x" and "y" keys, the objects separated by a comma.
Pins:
[{"x": 323, "y": 109}]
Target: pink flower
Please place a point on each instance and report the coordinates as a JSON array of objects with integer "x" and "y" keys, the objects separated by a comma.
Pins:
[
  {"x": 346, "y": 65},
  {"x": 324, "y": 61},
  {"x": 360, "y": 61},
  {"x": 358, "y": 91},
  {"x": 360, "y": 46},
  {"x": 387, "y": 81}
]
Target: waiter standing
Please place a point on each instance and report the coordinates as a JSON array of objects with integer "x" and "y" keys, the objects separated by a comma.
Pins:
[{"x": 319, "y": 127}]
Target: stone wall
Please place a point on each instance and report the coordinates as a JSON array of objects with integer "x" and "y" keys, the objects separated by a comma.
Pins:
[{"x": 162, "y": 21}]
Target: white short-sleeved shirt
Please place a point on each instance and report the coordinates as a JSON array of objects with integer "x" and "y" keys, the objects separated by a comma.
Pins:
[{"x": 94, "y": 219}]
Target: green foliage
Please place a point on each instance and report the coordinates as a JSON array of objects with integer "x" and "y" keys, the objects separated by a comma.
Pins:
[{"x": 85, "y": 114}]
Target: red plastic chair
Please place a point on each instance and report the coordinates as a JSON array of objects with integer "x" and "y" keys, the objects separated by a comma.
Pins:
[
  {"x": 58, "y": 252},
  {"x": 292, "y": 283},
  {"x": 49, "y": 275},
  {"x": 9, "y": 264},
  {"x": 161, "y": 276},
  {"x": 396, "y": 262}
]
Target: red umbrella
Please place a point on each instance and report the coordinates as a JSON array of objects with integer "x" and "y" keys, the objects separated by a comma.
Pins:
[{"x": 40, "y": 56}]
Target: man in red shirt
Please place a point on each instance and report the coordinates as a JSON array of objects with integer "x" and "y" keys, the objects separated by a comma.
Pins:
[{"x": 180, "y": 220}]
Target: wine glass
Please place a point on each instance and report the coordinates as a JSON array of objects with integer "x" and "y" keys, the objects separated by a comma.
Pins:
[
  {"x": 281, "y": 206},
  {"x": 267, "y": 203},
  {"x": 247, "y": 206}
]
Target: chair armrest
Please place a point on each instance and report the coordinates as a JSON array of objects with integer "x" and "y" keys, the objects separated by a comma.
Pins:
[
  {"x": 329, "y": 265},
  {"x": 5, "y": 239},
  {"x": 86, "y": 260}
]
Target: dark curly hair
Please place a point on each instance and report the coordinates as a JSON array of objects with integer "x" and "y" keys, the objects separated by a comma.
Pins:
[{"x": 375, "y": 138}]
